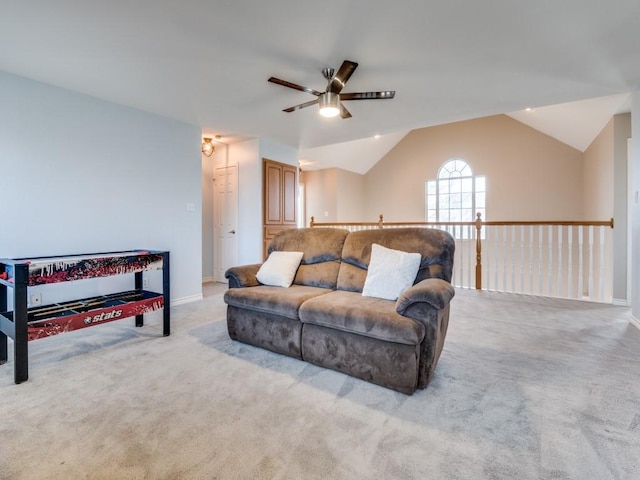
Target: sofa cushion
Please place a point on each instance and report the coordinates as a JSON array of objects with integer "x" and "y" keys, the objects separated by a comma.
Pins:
[
  {"x": 322, "y": 249},
  {"x": 279, "y": 269},
  {"x": 390, "y": 272},
  {"x": 280, "y": 301},
  {"x": 371, "y": 317},
  {"x": 435, "y": 246}
]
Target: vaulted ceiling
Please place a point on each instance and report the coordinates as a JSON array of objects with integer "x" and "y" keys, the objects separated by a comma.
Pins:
[{"x": 207, "y": 62}]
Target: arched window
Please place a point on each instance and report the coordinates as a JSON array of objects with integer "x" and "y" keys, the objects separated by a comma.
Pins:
[{"x": 456, "y": 195}]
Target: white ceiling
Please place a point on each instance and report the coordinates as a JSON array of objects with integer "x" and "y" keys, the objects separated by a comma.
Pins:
[
  {"x": 207, "y": 62},
  {"x": 575, "y": 123},
  {"x": 356, "y": 155}
]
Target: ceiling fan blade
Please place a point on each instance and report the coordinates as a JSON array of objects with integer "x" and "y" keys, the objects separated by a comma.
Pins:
[
  {"x": 344, "y": 113},
  {"x": 284, "y": 83},
  {"x": 298, "y": 107},
  {"x": 368, "y": 95},
  {"x": 342, "y": 76}
]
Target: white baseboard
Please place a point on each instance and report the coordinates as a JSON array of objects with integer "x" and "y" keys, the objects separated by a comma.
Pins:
[
  {"x": 189, "y": 299},
  {"x": 635, "y": 322},
  {"x": 208, "y": 279},
  {"x": 620, "y": 302}
]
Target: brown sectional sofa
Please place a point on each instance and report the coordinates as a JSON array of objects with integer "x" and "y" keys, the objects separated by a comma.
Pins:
[{"x": 324, "y": 319}]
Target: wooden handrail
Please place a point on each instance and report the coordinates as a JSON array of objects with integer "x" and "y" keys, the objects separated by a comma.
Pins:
[
  {"x": 381, "y": 223},
  {"x": 478, "y": 224},
  {"x": 378, "y": 224}
]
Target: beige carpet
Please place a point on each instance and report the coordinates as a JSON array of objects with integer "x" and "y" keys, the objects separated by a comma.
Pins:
[{"x": 526, "y": 388}]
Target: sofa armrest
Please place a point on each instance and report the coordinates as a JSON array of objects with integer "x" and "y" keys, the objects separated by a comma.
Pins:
[
  {"x": 243, "y": 276},
  {"x": 429, "y": 303},
  {"x": 433, "y": 291}
]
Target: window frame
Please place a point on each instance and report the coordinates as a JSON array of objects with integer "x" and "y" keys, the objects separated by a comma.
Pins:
[{"x": 455, "y": 185}]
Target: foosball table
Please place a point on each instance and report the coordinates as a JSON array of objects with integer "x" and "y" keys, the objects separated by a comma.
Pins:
[{"x": 24, "y": 324}]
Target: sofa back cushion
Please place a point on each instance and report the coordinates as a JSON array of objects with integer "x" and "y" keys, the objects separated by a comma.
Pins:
[
  {"x": 322, "y": 249},
  {"x": 435, "y": 246}
]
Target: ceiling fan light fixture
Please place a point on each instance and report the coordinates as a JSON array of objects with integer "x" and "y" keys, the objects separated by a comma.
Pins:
[{"x": 329, "y": 104}]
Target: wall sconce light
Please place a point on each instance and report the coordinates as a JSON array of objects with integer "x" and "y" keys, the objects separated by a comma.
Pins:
[{"x": 208, "y": 148}]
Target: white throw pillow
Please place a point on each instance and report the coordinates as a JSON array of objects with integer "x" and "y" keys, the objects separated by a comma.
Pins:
[
  {"x": 390, "y": 272},
  {"x": 280, "y": 268}
]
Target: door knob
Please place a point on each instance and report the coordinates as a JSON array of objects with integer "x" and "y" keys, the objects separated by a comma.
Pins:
[{"x": 232, "y": 231}]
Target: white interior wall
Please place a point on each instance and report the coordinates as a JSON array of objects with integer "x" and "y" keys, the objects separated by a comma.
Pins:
[
  {"x": 279, "y": 153},
  {"x": 209, "y": 164},
  {"x": 620, "y": 194},
  {"x": 81, "y": 175},
  {"x": 248, "y": 156},
  {"x": 207, "y": 217},
  {"x": 249, "y": 232},
  {"x": 635, "y": 206}
]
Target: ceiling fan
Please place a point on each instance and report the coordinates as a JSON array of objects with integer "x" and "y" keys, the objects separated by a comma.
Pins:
[{"x": 331, "y": 99}]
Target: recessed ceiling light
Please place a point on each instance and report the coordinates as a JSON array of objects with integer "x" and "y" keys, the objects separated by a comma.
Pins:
[
  {"x": 376, "y": 136},
  {"x": 528, "y": 109}
]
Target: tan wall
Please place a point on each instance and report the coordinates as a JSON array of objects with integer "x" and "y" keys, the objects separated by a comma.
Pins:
[
  {"x": 351, "y": 188},
  {"x": 336, "y": 192},
  {"x": 530, "y": 176},
  {"x": 321, "y": 202},
  {"x": 598, "y": 176}
]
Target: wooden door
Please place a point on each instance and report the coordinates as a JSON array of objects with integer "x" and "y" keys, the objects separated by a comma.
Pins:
[
  {"x": 289, "y": 192},
  {"x": 280, "y": 187},
  {"x": 273, "y": 193}
]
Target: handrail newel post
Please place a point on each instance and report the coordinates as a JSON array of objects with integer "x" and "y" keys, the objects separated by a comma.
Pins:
[{"x": 313, "y": 220}]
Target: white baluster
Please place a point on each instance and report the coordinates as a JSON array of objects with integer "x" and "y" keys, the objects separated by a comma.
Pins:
[
  {"x": 559, "y": 243},
  {"x": 513, "y": 258},
  {"x": 570, "y": 262},
  {"x": 580, "y": 261},
  {"x": 470, "y": 257},
  {"x": 504, "y": 259},
  {"x": 496, "y": 244},
  {"x": 591, "y": 274},
  {"x": 486, "y": 258},
  {"x": 522, "y": 262},
  {"x": 540, "y": 245},
  {"x": 550, "y": 261},
  {"x": 602, "y": 274},
  {"x": 531, "y": 236}
]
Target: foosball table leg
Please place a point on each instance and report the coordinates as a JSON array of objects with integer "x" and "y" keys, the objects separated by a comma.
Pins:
[
  {"x": 166, "y": 293},
  {"x": 4, "y": 354},
  {"x": 138, "y": 286},
  {"x": 20, "y": 340}
]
